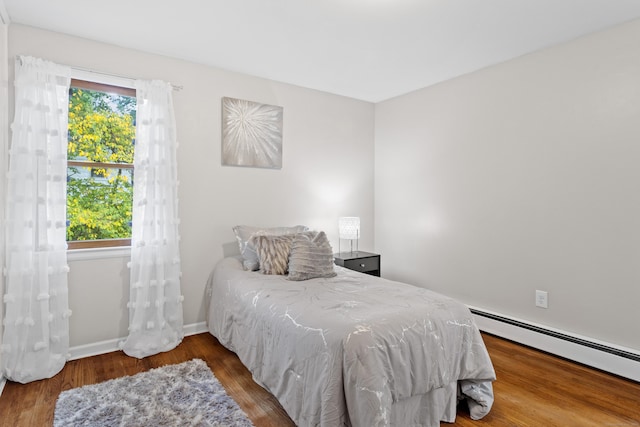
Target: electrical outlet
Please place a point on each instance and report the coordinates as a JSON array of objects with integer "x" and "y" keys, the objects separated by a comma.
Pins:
[{"x": 542, "y": 299}]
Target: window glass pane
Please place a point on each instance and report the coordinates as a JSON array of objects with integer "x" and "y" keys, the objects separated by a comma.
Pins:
[
  {"x": 101, "y": 126},
  {"x": 99, "y": 203},
  {"x": 101, "y": 133}
]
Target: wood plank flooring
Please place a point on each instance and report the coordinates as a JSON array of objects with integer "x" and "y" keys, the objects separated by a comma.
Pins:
[{"x": 533, "y": 388}]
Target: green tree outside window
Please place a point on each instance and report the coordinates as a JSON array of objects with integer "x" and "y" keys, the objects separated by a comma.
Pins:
[{"x": 100, "y": 165}]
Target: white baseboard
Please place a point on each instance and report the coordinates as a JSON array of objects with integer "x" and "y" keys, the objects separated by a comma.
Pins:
[
  {"x": 195, "y": 328},
  {"x": 102, "y": 347},
  {"x": 594, "y": 357}
]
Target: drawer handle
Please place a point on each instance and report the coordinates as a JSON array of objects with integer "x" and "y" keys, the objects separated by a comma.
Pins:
[{"x": 362, "y": 265}]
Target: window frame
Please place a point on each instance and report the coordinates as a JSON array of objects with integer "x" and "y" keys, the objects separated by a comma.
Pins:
[{"x": 110, "y": 84}]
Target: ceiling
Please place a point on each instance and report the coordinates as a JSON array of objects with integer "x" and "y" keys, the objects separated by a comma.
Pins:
[{"x": 366, "y": 49}]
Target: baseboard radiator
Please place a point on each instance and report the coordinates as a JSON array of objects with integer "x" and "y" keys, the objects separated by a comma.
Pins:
[{"x": 619, "y": 361}]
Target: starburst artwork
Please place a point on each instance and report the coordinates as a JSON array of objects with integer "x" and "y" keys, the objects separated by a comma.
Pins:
[{"x": 251, "y": 134}]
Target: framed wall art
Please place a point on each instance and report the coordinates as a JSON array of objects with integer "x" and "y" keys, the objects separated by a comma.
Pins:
[{"x": 251, "y": 134}]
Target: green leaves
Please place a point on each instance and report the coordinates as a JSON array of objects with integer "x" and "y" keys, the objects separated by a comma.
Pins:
[
  {"x": 97, "y": 209},
  {"x": 97, "y": 133},
  {"x": 99, "y": 198}
]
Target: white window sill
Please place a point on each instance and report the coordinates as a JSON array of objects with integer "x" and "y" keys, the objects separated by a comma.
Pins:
[{"x": 98, "y": 253}]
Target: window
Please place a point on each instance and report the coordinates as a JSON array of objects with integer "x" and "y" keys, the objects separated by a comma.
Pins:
[{"x": 100, "y": 164}]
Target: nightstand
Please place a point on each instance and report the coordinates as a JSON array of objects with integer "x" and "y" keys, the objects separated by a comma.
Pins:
[{"x": 364, "y": 262}]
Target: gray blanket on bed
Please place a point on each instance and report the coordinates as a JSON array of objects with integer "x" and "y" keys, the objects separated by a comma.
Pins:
[{"x": 348, "y": 350}]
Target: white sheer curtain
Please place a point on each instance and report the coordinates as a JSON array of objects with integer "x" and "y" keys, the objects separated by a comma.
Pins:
[
  {"x": 155, "y": 303},
  {"x": 36, "y": 327}
]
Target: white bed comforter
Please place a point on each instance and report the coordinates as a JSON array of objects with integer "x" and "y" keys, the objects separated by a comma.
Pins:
[{"x": 353, "y": 349}]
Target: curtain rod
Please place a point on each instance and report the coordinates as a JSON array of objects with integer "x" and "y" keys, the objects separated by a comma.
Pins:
[{"x": 177, "y": 88}]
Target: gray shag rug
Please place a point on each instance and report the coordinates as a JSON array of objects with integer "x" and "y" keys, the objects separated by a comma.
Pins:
[{"x": 187, "y": 394}]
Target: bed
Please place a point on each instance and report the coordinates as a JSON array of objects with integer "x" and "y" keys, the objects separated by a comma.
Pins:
[{"x": 353, "y": 349}]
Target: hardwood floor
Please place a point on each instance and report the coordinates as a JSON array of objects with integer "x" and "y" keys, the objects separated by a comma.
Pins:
[{"x": 533, "y": 388}]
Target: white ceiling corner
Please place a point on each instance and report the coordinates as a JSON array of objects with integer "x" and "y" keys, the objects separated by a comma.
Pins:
[
  {"x": 365, "y": 49},
  {"x": 4, "y": 15}
]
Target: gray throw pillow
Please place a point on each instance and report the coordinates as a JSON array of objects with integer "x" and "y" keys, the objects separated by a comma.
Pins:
[{"x": 311, "y": 257}]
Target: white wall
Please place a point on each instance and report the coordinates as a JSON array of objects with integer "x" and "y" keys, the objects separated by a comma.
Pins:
[
  {"x": 522, "y": 176},
  {"x": 327, "y": 171},
  {"x": 4, "y": 135}
]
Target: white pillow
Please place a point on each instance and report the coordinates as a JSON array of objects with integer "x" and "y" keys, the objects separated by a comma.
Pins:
[{"x": 243, "y": 234}]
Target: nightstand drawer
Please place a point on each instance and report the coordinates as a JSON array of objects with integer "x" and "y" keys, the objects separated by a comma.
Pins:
[{"x": 363, "y": 264}]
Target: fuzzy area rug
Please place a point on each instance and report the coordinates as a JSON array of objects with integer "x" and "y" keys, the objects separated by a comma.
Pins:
[{"x": 187, "y": 394}]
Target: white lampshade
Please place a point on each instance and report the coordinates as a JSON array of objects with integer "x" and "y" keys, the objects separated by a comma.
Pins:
[{"x": 349, "y": 227}]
